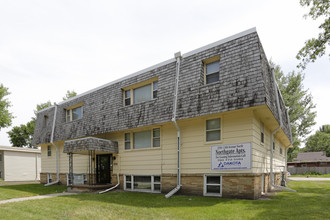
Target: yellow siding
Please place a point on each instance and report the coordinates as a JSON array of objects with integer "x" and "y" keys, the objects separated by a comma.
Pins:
[{"x": 236, "y": 127}]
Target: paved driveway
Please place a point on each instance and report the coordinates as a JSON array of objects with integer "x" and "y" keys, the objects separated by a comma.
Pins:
[{"x": 309, "y": 178}]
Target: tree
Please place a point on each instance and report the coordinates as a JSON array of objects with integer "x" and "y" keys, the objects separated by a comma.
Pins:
[
  {"x": 320, "y": 141},
  {"x": 300, "y": 105},
  {"x": 316, "y": 47},
  {"x": 69, "y": 94},
  {"x": 5, "y": 116}
]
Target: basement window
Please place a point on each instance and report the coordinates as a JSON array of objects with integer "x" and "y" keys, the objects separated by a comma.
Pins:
[
  {"x": 49, "y": 178},
  {"x": 142, "y": 183},
  {"x": 212, "y": 185}
]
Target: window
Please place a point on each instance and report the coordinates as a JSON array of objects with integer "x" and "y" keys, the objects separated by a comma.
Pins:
[
  {"x": 321, "y": 163},
  {"x": 0, "y": 174},
  {"x": 141, "y": 94},
  {"x": 303, "y": 165},
  {"x": 142, "y": 183},
  {"x": 281, "y": 150},
  {"x": 0, "y": 157},
  {"x": 211, "y": 69},
  {"x": 156, "y": 137},
  {"x": 49, "y": 151},
  {"x": 212, "y": 185},
  {"x": 49, "y": 178},
  {"x": 143, "y": 139},
  {"x": 127, "y": 141},
  {"x": 74, "y": 114},
  {"x": 273, "y": 146},
  {"x": 45, "y": 121},
  {"x": 213, "y": 129},
  {"x": 262, "y": 134}
]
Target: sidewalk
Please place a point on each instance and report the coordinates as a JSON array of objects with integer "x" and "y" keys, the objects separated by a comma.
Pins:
[{"x": 37, "y": 197}]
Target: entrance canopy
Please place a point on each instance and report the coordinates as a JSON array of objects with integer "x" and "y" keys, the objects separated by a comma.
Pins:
[{"x": 85, "y": 145}]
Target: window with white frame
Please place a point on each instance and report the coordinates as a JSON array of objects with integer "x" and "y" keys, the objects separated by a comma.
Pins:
[
  {"x": 213, "y": 129},
  {"x": 74, "y": 113},
  {"x": 142, "y": 139},
  {"x": 141, "y": 94},
  {"x": 262, "y": 132},
  {"x": 78, "y": 179},
  {"x": 49, "y": 178},
  {"x": 49, "y": 150},
  {"x": 142, "y": 183},
  {"x": 127, "y": 141},
  {"x": 212, "y": 185}
]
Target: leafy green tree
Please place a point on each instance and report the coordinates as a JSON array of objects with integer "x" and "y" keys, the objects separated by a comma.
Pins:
[
  {"x": 320, "y": 141},
  {"x": 69, "y": 94},
  {"x": 5, "y": 116},
  {"x": 300, "y": 105},
  {"x": 316, "y": 47}
]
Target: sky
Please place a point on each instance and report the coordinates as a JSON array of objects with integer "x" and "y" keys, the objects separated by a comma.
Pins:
[{"x": 49, "y": 47}]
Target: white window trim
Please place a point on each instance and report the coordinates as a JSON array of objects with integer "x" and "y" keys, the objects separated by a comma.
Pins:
[
  {"x": 49, "y": 178},
  {"x": 205, "y": 185},
  {"x": 138, "y": 190},
  {"x": 205, "y": 130},
  {"x": 152, "y": 139},
  {"x": 151, "y": 83}
]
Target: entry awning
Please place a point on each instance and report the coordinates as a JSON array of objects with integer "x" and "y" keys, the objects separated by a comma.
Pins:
[{"x": 83, "y": 145}]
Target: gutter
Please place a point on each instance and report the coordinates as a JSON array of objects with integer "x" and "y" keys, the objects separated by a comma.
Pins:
[
  {"x": 57, "y": 153},
  {"x": 272, "y": 183},
  {"x": 175, "y": 102}
]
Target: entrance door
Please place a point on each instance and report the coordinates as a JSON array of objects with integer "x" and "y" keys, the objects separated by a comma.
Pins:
[{"x": 103, "y": 168}]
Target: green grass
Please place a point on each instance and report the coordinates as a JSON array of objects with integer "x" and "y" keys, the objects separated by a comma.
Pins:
[
  {"x": 304, "y": 175},
  {"x": 310, "y": 202},
  {"x": 26, "y": 190}
]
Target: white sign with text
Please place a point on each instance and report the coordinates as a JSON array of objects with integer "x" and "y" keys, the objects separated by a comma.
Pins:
[{"x": 231, "y": 156}]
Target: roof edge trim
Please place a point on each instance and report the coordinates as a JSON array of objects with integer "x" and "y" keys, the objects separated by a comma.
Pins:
[{"x": 233, "y": 37}]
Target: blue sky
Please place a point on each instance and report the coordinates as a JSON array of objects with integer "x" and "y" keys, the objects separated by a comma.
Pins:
[{"x": 49, "y": 47}]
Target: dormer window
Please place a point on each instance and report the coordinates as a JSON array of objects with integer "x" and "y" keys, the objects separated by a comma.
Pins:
[
  {"x": 211, "y": 70},
  {"x": 141, "y": 92},
  {"x": 74, "y": 113}
]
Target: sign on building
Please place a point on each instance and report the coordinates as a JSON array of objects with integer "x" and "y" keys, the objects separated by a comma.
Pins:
[{"x": 231, "y": 156}]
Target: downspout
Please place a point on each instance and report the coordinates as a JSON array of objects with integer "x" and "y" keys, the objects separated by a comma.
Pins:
[
  {"x": 272, "y": 183},
  {"x": 175, "y": 101},
  {"x": 57, "y": 153},
  {"x": 107, "y": 190}
]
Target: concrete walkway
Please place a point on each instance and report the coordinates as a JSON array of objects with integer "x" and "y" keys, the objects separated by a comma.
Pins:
[
  {"x": 309, "y": 178},
  {"x": 37, "y": 197}
]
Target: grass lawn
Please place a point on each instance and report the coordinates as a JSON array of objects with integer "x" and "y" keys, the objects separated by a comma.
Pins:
[
  {"x": 16, "y": 191},
  {"x": 323, "y": 175},
  {"x": 310, "y": 202}
]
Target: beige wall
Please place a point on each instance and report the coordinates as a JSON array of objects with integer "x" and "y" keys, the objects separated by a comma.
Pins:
[
  {"x": 1, "y": 164},
  {"x": 236, "y": 127},
  {"x": 21, "y": 166}
]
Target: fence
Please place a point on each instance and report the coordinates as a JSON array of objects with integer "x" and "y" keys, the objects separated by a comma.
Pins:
[{"x": 303, "y": 170}]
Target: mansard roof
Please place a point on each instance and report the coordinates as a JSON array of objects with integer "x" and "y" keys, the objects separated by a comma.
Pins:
[{"x": 245, "y": 81}]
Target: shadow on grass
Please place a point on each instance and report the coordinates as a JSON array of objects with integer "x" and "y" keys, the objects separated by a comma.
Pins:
[{"x": 37, "y": 189}]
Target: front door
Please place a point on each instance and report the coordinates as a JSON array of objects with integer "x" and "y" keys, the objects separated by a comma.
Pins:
[{"x": 103, "y": 168}]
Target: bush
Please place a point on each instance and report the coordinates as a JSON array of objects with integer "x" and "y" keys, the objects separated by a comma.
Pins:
[{"x": 312, "y": 173}]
